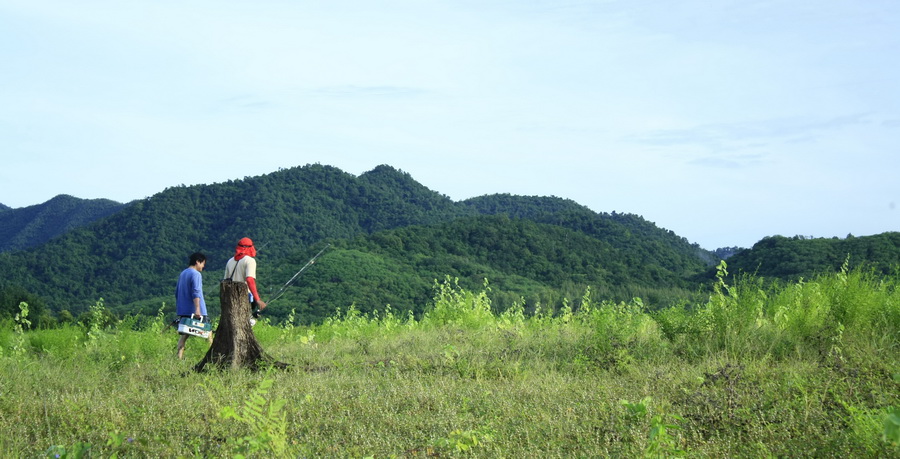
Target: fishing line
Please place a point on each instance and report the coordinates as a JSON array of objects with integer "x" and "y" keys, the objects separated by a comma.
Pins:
[{"x": 288, "y": 283}]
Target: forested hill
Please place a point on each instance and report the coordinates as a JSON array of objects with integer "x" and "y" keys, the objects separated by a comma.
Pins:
[
  {"x": 34, "y": 225},
  {"x": 791, "y": 258},
  {"x": 4, "y": 207},
  {"x": 135, "y": 255},
  {"x": 655, "y": 245},
  {"x": 522, "y": 259},
  {"x": 137, "y": 252}
]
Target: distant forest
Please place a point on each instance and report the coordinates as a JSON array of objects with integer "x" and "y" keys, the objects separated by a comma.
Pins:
[
  {"x": 391, "y": 239},
  {"x": 792, "y": 258},
  {"x": 34, "y": 225}
]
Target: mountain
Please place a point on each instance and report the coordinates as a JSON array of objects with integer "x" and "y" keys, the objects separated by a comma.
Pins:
[
  {"x": 726, "y": 252},
  {"x": 522, "y": 259},
  {"x": 401, "y": 201},
  {"x": 791, "y": 258},
  {"x": 34, "y": 225},
  {"x": 4, "y": 207},
  {"x": 391, "y": 235},
  {"x": 136, "y": 253},
  {"x": 657, "y": 246}
]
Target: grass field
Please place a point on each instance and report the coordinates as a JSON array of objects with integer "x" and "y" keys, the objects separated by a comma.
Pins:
[{"x": 802, "y": 369}]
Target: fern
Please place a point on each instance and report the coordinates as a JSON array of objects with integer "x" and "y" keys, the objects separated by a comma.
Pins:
[{"x": 264, "y": 419}]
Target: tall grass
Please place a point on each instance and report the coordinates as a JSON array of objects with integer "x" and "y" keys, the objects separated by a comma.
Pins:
[{"x": 808, "y": 368}]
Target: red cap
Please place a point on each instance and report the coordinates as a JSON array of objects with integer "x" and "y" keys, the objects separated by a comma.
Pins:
[{"x": 244, "y": 248}]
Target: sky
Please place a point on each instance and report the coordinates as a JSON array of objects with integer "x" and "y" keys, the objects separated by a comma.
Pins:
[{"x": 722, "y": 121}]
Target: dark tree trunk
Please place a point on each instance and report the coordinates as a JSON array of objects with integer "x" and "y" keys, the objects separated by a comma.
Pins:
[{"x": 234, "y": 344}]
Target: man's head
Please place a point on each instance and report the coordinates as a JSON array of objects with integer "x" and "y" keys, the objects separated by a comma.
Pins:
[
  {"x": 197, "y": 261},
  {"x": 245, "y": 248}
]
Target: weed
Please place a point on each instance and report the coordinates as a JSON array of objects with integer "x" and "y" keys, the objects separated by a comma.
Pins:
[
  {"x": 660, "y": 441},
  {"x": 21, "y": 324},
  {"x": 96, "y": 320},
  {"x": 78, "y": 450},
  {"x": 464, "y": 440},
  {"x": 892, "y": 427},
  {"x": 636, "y": 411},
  {"x": 265, "y": 420},
  {"x": 456, "y": 306},
  {"x": 753, "y": 370}
]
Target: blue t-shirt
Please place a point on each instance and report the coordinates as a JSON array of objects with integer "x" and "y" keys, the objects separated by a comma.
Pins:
[{"x": 190, "y": 286}]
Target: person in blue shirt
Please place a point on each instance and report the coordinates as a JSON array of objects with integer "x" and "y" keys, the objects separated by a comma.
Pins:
[{"x": 189, "y": 295}]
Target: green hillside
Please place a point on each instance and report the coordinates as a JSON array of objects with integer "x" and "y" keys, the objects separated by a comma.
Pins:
[
  {"x": 655, "y": 245},
  {"x": 137, "y": 253},
  {"x": 537, "y": 248},
  {"x": 34, "y": 225},
  {"x": 791, "y": 258},
  {"x": 522, "y": 260}
]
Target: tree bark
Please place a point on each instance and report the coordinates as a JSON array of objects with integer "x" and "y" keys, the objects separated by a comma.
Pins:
[{"x": 234, "y": 344}]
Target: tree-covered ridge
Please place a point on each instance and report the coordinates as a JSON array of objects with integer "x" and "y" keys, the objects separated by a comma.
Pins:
[
  {"x": 34, "y": 225},
  {"x": 542, "y": 245},
  {"x": 657, "y": 245},
  {"x": 726, "y": 252},
  {"x": 791, "y": 258},
  {"x": 391, "y": 238},
  {"x": 4, "y": 207},
  {"x": 523, "y": 260},
  {"x": 401, "y": 201},
  {"x": 136, "y": 253}
]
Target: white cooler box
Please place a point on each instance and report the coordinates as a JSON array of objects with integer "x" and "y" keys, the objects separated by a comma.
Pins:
[{"x": 194, "y": 327}]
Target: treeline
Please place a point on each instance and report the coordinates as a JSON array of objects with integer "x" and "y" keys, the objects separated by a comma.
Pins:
[
  {"x": 545, "y": 247},
  {"x": 792, "y": 258},
  {"x": 391, "y": 238},
  {"x": 136, "y": 254},
  {"x": 34, "y": 225},
  {"x": 537, "y": 264}
]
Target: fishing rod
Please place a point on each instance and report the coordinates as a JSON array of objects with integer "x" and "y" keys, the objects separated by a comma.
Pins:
[{"x": 307, "y": 265}]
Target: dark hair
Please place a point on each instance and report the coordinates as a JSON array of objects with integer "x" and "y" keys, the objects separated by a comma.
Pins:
[{"x": 197, "y": 257}]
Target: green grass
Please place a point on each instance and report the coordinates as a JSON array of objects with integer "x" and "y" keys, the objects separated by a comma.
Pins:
[{"x": 801, "y": 369}]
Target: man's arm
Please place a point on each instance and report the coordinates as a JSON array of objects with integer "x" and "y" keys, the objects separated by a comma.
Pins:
[
  {"x": 197, "y": 292},
  {"x": 251, "y": 284}
]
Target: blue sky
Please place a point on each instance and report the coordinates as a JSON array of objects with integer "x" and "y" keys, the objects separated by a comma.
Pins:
[{"x": 723, "y": 121}]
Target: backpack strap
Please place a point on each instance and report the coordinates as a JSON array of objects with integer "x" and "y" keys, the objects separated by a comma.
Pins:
[{"x": 233, "y": 270}]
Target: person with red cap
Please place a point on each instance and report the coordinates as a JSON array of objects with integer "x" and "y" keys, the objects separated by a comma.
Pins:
[{"x": 242, "y": 268}]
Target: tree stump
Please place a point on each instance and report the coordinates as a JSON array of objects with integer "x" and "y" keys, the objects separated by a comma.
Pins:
[{"x": 234, "y": 344}]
